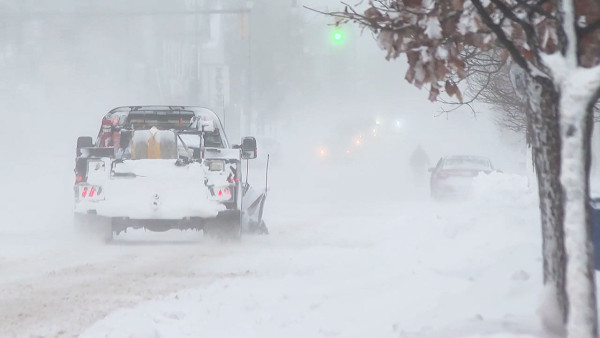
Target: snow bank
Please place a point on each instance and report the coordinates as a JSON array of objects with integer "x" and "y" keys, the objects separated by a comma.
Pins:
[{"x": 509, "y": 190}]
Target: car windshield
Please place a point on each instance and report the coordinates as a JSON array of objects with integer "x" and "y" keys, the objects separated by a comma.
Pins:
[{"x": 468, "y": 163}]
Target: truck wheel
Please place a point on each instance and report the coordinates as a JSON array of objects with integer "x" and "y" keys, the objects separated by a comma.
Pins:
[
  {"x": 92, "y": 225},
  {"x": 106, "y": 229},
  {"x": 227, "y": 225}
]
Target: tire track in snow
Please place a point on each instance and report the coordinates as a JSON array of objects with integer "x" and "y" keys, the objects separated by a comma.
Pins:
[{"x": 65, "y": 301}]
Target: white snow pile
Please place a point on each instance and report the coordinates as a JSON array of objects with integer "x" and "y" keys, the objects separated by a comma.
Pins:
[{"x": 503, "y": 188}]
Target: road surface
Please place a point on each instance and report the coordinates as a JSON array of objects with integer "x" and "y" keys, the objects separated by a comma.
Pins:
[{"x": 347, "y": 260}]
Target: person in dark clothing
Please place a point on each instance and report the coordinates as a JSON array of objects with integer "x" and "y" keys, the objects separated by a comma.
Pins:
[{"x": 419, "y": 162}]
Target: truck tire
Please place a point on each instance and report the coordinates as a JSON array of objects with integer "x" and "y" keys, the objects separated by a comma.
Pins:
[
  {"x": 226, "y": 226},
  {"x": 92, "y": 225}
]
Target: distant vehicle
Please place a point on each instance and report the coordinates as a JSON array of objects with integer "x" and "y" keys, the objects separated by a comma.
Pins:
[
  {"x": 341, "y": 151},
  {"x": 453, "y": 175},
  {"x": 346, "y": 141},
  {"x": 161, "y": 168}
]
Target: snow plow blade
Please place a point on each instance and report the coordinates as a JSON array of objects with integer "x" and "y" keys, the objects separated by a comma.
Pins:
[{"x": 254, "y": 203}]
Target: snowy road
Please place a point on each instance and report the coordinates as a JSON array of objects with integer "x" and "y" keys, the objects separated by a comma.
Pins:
[{"x": 388, "y": 266}]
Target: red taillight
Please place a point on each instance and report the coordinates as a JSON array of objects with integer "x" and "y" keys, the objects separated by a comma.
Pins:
[
  {"x": 90, "y": 191},
  {"x": 220, "y": 192},
  {"x": 227, "y": 192},
  {"x": 79, "y": 178}
]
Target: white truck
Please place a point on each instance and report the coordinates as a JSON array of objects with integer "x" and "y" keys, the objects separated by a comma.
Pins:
[{"x": 162, "y": 168}]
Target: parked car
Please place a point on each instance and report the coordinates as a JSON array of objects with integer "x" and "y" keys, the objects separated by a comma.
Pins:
[{"x": 453, "y": 175}]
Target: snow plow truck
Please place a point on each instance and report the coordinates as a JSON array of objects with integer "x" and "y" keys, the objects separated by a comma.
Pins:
[{"x": 161, "y": 168}]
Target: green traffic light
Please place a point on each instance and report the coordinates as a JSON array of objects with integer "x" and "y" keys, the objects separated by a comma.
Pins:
[{"x": 338, "y": 36}]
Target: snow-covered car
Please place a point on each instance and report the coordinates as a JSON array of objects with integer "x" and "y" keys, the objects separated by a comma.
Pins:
[
  {"x": 453, "y": 175},
  {"x": 161, "y": 168}
]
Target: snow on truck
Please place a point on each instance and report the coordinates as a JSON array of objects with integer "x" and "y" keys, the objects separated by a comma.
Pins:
[{"x": 162, "y": 168}]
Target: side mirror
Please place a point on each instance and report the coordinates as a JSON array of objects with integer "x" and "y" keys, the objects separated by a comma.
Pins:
[
  {"x": 248, "y": 146},
  {"x": 83, "y": 142}
]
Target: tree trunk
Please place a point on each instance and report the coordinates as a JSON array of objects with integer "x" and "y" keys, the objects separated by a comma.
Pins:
[
  {"x": 576, "y": 126},
  {"x": 562, "y": 156},
  {"x": 543, "y": 120}
]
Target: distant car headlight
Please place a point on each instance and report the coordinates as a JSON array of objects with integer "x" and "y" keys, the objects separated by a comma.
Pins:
[{"x": 215, "y": 165}]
